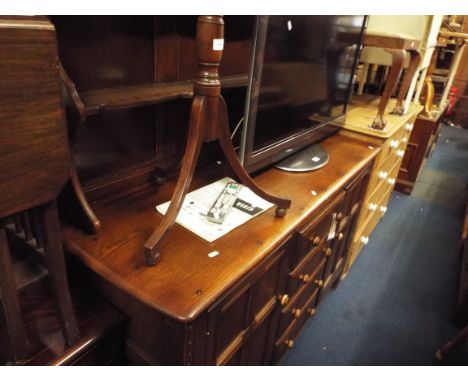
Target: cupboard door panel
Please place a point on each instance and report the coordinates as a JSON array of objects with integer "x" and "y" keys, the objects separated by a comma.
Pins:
[
  {"x": 245, "y": 313},
  {"x": 255, "y": 351},
  {"x": 232, "y": 319},
  {"x": 268, "y": 284}
]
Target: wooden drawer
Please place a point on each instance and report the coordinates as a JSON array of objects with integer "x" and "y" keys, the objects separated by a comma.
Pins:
[
  {"x": 296, "y": 308},
  {"x": 397, "y": 141},
  {"x": 379, "y": 176},
  {"x": 315, "y": 233},
  {"x": 372, "y": 204},
  {"x": 384, "y": 189},
  {"x": 364, "y": 232},
  {"x": 369, "y": 217},
  {"x": 308, "y": 269},
  {"x": 287, "y": 338},
  {"x": 299, "y": 292}
]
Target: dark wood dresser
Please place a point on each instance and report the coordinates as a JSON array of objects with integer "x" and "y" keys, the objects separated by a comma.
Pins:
[
  {"x": 127, "y": 94},
  {"x": 247, "y": 305},
  {"x": 421, "y": 144}
]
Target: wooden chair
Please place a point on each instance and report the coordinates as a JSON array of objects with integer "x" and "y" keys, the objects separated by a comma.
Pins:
[{"x": 34, "y": 166}]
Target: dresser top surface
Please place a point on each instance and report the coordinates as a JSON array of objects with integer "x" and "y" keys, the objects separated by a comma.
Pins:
[
  {"x": 186, "y": 281},
  {"x": 362, "y": 112}
]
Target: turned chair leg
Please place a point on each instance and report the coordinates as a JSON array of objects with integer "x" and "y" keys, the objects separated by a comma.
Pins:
[
  {"x": 413, "y": 66},
  {"x": 10, "y": 302},
  {"x": 54, "y": 257},
  {"x": 398, "y": 56}
]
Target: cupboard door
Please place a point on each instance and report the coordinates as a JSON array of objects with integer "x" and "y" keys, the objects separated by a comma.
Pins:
[
  {"x": 244, "y": 316},
  {"x": 232, "y": 321},
  {"x": 255, "y": 351}
]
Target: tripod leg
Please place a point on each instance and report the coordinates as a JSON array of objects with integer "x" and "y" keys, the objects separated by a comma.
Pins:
[
  {"x": 461, "y": 337},
  {"x": 226, "y": 144},
  {"x": 194, "y": 142},
  {"x": 413, "y": 66}
]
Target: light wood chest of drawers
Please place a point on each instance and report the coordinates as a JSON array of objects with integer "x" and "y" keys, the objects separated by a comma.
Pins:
[{"x": 393, "y": 140}]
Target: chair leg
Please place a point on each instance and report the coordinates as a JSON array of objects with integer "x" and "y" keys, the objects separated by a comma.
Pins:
[
  {"x": 10, "y": 302},
  {"x": 362, "y": 81},
  {"x": 413, "y": 66},
  {"x": 55, "y": 261},
  {"x": 398, "y": 56}
]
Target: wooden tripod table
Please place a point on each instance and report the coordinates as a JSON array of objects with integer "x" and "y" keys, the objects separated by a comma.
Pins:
[
  {"x": 398, "y": 46},
  {"x": 208, "y": 122}
]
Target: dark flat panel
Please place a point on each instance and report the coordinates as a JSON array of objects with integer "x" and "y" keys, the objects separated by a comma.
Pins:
[
  {"x": 238, "y": 45},
  {"x": 33, "y": 140},
  {"x": 113, "y": 140},
  {"x": 106, "y": 51}
]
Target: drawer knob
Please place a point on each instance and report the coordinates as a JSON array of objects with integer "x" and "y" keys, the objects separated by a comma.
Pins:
[
  {"x": 319, "y": 283},
  {"x": 340, "y": 236},
  {"x": 289, "y": 344},
  {"x": 372, "y": 206},
  {"x": 284, "y": 299},
  {"x": 311, "y": 312},
  {"x": 364, "y": 240},
  {"x": 409, "y": 127},
  {"x": 383, "y": 175},
  {"x": 315, "y": 240},
  {"x": 400, "y": 153},
  {"x": 383, "y": 209},
  {"x": 394, "y": 143},
  {"x": 391, "y": 181},
  {"x": 305, "y": 278},
  {"x": 327, "y": 252},
  {"x": 339, "y": 216},
  {"x": 296, "y": 313}
]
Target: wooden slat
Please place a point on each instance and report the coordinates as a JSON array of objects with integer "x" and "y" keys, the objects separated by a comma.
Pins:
[
  {"x": 149, "y": 94},
  {"x": 27, "y": 225},
  {"x": 54, "y": 256},
  {"x": 10, "y": 302},
  {"x": 18, "y": 223},
  {"x": 36, "y": 228}
]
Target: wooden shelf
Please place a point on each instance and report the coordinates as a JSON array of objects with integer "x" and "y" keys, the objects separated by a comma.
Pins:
[{"x": 149, "y": 94}]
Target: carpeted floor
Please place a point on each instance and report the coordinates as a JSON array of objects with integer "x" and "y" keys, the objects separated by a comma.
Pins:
[{"x": 395, "y": 305}]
